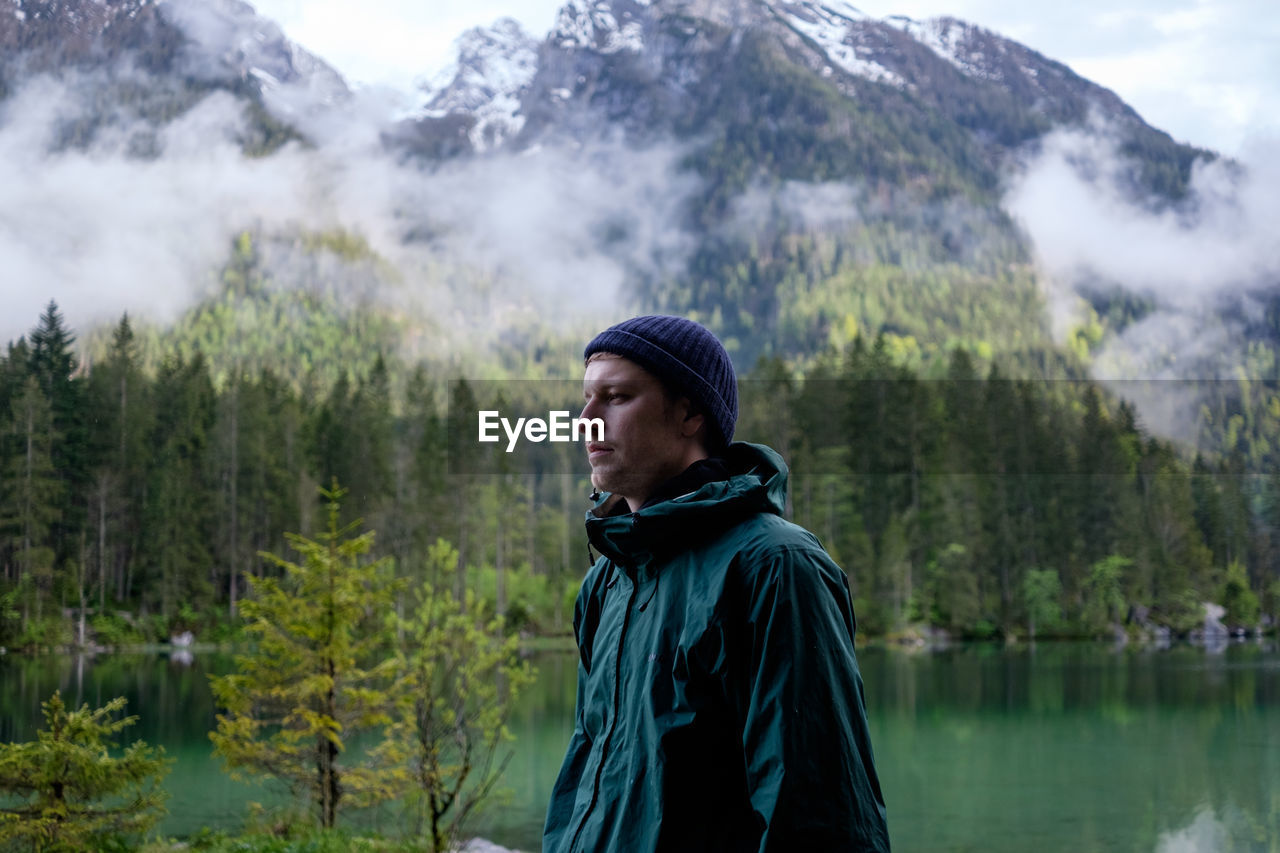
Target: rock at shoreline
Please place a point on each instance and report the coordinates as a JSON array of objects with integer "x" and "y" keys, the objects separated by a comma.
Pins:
[
  {"x": 1213, "y": 627},
  {"x": 480, "y": 845}
]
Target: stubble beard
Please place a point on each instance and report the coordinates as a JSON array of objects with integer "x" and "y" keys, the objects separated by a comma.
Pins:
[{"x": 624, "y": 480}]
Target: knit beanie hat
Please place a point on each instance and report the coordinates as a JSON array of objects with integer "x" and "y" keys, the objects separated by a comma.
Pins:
[{"x": 687, "y": 357}]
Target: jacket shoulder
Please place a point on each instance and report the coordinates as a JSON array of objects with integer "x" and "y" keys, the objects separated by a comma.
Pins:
[
  {"x": 771, "y": 553},
  {"x": 766, "y": 537}
]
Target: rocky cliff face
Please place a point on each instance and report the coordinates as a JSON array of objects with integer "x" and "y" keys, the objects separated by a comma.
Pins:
[
  {"x": 956, "y": 98},
  {"x": 486, "y": 83},
  {"x": 131, "y": 64}
]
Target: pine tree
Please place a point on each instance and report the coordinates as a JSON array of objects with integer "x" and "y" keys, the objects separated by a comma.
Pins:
[
  {"x": 320, "y": 674},
  {"x": 66, "y": 792},
  {"x": 121, "y": 413},
  {"x": 32, "y": 498},
  {"x": 259, "y": 461},
  {"x": 180, "y": 493},
  {"x": 53, "y": 364},
  {"x": 52, "y": 360}
]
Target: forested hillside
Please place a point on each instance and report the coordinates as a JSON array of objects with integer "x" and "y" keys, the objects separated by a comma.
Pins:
[
  {"x": 963, "y": 501},
  {"x": 852, "y": 204}
]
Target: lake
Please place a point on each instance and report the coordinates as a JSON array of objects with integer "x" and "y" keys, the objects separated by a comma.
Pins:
[{"x": 1057, "y": 747}]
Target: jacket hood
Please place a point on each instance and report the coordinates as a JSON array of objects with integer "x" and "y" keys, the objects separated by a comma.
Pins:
[{"x": 757, "y": 483}]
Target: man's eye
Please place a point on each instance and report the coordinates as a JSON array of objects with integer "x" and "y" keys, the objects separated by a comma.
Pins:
[{"x": 618, "y": 398}]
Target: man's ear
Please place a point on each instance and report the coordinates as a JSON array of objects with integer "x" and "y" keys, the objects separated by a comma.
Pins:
[{"x": 692, "y": 422}]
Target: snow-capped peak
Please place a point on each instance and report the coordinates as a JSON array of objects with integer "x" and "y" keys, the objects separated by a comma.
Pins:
[
  {"x": 494, "y": 66},
  {"x": 833, "y": 27}
]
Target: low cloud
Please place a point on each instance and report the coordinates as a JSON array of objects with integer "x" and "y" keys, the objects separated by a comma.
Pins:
[
  {"x": 797, "y": 206},
  {"x": 1212, "y": 250},
  {"x": 471, "y": 245},
  {"x": 103, "y": 232},
  {"x": 578, "y": 228}
]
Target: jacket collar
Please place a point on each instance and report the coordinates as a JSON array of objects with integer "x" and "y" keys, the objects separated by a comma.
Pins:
[{"x": 756, "y": 482}]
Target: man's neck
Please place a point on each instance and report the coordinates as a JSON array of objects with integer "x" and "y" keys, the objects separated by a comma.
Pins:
[{"x": 697, "y": 474}]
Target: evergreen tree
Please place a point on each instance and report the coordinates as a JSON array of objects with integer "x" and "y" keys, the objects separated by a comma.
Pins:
[
  {"x": 1040, "y": 591},
  {"x": 420, "y": 488},
  {"x": 14, "y": 371},
  {"x": 371, "y": 429},
  {"x": 121, "y": 413},
  {"x": 463, "y": 461},
  {"x": 1241, "y": 603},
  {"x": 53, "y": 364},
  {"x": 320, "y": 673},
  {"x": 181, "y": 495},
  {"x": 1179, "y": 573},
  {"x": 1104, "y": 600},
  {"x": 259, "y": 462},
  {"x": 32, "y": 500},
  {"x": 66, "y": 792}
]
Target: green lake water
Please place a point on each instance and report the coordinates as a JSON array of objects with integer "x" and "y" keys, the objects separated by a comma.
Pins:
[{"x": 1060, "y": 747}]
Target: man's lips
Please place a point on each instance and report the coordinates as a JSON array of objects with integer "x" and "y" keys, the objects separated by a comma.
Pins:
[{"x": 594, "y": 449}]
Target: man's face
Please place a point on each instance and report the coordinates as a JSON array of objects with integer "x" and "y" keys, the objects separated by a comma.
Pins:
[{"x": 648, "y": 438}]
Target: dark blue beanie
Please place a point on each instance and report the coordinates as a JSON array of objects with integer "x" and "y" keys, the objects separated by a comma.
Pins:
[{"x": 688, "y": 358}]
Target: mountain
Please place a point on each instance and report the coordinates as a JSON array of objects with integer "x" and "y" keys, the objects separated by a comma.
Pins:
[
  {"x": 820, "y": 173},
  {"x": 132, "y": 60},
  {"x": 486, "y": 83},
  {"x": 940, "y": 101},
  {"x": 771, "y": 99},
  {"x": 802, "y": 90}
]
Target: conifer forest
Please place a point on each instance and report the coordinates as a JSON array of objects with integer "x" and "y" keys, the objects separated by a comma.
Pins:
[{"x": 140, "y": 495}]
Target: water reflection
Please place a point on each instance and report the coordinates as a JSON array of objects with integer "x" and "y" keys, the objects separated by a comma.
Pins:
[
  {"x": 1052, "y": 747},
  {"x": 1235, "y": 830},
  {"x": 1065, "y": 747}
]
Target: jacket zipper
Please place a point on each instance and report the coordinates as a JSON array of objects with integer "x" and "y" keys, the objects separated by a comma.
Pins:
[{"x": 613, "y": 724}]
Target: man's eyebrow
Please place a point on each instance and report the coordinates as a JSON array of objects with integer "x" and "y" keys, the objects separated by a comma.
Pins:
[{"x": 609, "y": 385}]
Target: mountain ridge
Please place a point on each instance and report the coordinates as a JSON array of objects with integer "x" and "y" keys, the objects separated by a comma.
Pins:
[
  {"x": 916, "y": 124},
  {"x": 836, "y": 40}
]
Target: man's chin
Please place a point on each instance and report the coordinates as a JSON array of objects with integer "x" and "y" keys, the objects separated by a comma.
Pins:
[{"x": 603, "y": 479}]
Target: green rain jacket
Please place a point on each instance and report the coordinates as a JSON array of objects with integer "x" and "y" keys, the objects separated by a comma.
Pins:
[{"x": 719, "y": 702}]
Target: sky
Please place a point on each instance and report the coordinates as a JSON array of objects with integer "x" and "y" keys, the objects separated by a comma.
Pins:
[{"x": 1206, "y": 71}]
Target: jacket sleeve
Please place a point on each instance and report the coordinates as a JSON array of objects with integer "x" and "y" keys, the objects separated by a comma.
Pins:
[
  {"x": 555, "y": 833},
  {"x": 810, "y": 771}
]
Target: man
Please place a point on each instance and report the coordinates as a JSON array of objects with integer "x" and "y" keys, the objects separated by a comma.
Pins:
[{"x": 719, "y": 703}]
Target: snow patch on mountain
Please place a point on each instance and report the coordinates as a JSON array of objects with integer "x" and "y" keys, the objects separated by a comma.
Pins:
[
  {"x": 833, "y": 28},
  {"x": 950, "y": 39},
  {"x": 493, "y": 68},
  {"x": 597, "y": 25}
]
